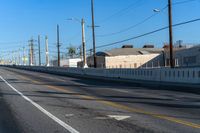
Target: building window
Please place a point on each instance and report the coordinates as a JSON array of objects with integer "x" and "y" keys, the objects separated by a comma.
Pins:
[
  {"x": 193, "y": 74},
  {"x": 176, "y": 62},
  {"x": 135, "y": 65},
  {"x": 189, "y": 60}
]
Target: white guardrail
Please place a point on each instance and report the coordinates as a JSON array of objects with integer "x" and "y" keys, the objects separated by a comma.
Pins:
[{"x": 175, "y": 75}]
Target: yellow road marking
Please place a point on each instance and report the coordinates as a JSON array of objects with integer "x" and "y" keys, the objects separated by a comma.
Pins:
[{"x": 120, "y": 106}]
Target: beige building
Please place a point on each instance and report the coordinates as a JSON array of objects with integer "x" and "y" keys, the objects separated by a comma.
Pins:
[{"x": 125, "y": 57}]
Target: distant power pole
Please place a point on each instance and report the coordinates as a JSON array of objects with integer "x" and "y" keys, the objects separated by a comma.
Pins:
[
  {"x": 93, "y": 34},
  {"x": 24, "y": 58},
  {"x": 47, "y": 51},
  {"x": 39, "y": 50},
  {"x": 170, "y": 33},
  {"x": 58, "y": 45},
  {"x": 31, "y": 53},
  {"x": 19, "y": 57}
]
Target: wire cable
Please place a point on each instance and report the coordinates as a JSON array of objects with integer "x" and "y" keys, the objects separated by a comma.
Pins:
[
  {"x": 183, "y": 2},
  {"x": 121, "y": 11},
  {"x": 149, "y": 33},
  {"x": 133, "y": 26}
]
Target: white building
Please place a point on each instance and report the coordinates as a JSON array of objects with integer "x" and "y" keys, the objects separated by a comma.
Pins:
[{"x": 67, "y": 62}]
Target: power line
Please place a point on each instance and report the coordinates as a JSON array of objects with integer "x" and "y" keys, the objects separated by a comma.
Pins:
[
  {"x": 133, "y": 26},
  {"x": 120, "y": 11},
  {"x": 149, "y": 33},
  {"x": 143, "y": 21},
  {"x": 13, "y": 42},
  {"x": 183, "y": 2}
]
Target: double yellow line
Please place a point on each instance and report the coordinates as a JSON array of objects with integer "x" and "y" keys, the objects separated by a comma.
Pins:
[{"x": 119, "y": 106}]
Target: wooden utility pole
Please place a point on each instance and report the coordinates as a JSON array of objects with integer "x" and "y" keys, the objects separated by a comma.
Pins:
[
  {"x": 93, "y": 34},
  {"x": 170, "y": 33},
  {"x": 58, "y": 45}
]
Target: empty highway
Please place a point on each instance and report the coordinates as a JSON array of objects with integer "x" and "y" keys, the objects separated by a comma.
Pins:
[{"x": 33, "y": 102}]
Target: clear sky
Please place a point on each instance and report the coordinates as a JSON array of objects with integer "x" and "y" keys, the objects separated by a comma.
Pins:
[{"x": 22, "y": 19}]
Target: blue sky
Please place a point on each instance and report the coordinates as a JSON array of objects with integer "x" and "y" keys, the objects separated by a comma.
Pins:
[{"x": 23, "y": 19}]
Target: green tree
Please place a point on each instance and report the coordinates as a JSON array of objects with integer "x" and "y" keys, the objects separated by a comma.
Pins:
[{"x": 71, "y": 51}]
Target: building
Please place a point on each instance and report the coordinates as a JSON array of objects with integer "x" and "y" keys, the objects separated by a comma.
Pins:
[
  {"x": 185, "y": 56},
  {"x": 125, "y": 57},
  {"x": 67, "y": 62}
]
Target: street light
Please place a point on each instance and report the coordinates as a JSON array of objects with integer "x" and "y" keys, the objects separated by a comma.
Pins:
[
  {"x": 83, "y": 39},
  {"x": 156, "y": 10}
]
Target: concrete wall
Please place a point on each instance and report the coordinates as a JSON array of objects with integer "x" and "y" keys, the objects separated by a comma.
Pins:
[{"x": 176, "y": 75}]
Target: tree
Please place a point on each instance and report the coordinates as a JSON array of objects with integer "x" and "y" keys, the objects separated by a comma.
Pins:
[{"x": 71, "y": 51}]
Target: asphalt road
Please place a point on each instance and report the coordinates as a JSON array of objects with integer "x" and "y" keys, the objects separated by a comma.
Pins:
[{"x": 33, "y": 102}]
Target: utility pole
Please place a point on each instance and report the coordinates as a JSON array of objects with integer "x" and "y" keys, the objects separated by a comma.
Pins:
[
  {"x": 170, "y": 33},
  {"x": 47, "y": 51},
  {"x": 80, "y": 52},
  {"x": 31, "y": 52},
  {"x": 24, "y": 56},
  {"x": 93, "y": 34},
  {"x": 12, "y": 57},
  {"x": 19, "y": 57},
  {"x": 58, "y": 45},
  {"x": 39, "y": 50},
  {"x": 15, "y": 55},
  {"x": 83, "y": 44}
]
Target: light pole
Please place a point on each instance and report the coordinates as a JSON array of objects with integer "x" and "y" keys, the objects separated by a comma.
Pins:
[
  {"x": 47, "y": 51},
  {"x": 83, "y": 40}
]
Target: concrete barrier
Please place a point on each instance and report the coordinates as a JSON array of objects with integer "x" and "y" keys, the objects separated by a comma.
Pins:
[{"x": 176, "y": 75}]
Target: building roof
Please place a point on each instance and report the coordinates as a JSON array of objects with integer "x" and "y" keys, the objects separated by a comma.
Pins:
[{"x": 130, "y": 51}]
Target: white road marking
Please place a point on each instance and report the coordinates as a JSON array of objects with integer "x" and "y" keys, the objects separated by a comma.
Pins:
[
  {"x": 60, "y": 122},
  {"x": 123, "y": 91},
  {"x": 69, "y": 115},
  {"x": 118, "y": 117},
  {"x": 101, "y": 118}
]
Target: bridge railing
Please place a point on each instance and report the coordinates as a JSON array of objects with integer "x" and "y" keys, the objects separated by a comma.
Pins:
[{"x": 175, "y": 75}]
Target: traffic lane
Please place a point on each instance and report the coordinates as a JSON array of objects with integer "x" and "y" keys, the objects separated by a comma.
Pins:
[
  {"x": 185, "y": 102},
  {"x": 84, "y": 119},
  {"x": 176, "y": 115},
  {"x": 45, "y": 79},
  {"x": 7, "y": 121},
  {"x": 27, "y": 117}
]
